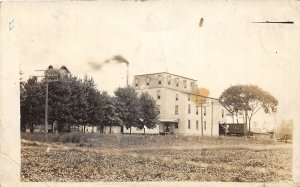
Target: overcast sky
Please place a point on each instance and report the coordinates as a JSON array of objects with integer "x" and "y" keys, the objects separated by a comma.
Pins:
[{"x": 165, "y": 36}]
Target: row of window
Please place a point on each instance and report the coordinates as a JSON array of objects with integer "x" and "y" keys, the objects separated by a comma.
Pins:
[
  {"x": 197, "y": 112},
  {"x": 189, "y": 106},
  {"x": 159, "y": 81},
  {"x": 197, "y": 124},
  {"x": 189, "y": 110},
  {"x": 176, "y": 96},
  {"x": 176, "y": 109}
]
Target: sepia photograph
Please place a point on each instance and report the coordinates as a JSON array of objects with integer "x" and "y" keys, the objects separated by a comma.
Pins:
[{"x": 150, "y": 92}]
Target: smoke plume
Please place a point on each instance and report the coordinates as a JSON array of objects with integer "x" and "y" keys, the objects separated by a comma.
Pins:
[
  {"x": 118, "y": 59},
  {"x": 115, "y": 59}
]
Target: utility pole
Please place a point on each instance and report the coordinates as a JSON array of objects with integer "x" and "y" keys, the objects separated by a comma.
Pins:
[
  {"x": 201, "y": 118},
  {"x": 46, "y": 106},
  {"x": 46, "y": 76},
  {"x": 212, "y": 116}
]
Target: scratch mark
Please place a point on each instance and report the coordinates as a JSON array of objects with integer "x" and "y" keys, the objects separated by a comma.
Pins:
[
  {"x": 7, "y": 156},
  {"x": 11, "y": 24},
  {"x": 280, "y": 22}
]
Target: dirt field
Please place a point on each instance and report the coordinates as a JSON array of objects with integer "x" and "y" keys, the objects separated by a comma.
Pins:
[{"x": 189, "y": 160}]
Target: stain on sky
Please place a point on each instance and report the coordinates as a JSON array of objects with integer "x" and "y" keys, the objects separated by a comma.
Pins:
[
  {"x": 119, "y": 59},
  {"x": 199, "y": 96},
  {"x": 201, "y": 22}
]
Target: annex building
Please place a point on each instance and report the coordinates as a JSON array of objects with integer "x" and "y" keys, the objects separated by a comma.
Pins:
[{"x": 180, "y": 111}]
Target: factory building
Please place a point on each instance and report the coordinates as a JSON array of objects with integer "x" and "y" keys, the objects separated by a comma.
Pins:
[{"x": 180, "y": 111}]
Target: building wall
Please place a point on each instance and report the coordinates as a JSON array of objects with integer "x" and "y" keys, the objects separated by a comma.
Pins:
[
  {"x": 135, "y": 130},
  {"x": 212, "y": 112},
  {"x": 168, "y": 90},
  {"x": 112, "y": 130}
]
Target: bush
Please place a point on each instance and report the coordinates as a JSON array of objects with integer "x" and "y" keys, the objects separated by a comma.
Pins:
[{"x": 73, "y": 137}]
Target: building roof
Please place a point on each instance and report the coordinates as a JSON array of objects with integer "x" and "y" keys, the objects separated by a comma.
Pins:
[{"x": 165, "y": 73}]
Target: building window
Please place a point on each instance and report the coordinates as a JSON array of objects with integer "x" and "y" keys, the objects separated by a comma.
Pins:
[
  {"x": 158, "y": 107},
  {"x": 189, "y": 108},
  {"x": 189, "y": 124},
  {"x": 189, "y": 97},
  {"x": 158, "y": 94},
  {"x": 176, "y": 97},
  {"x": 204, "y": 111},
  {"x": 177, "y": 82},
  {"x": 204, "y": 125},
  {"x": 197, "y": 126},
  {"x": 192, "y": 84},
  {"x": 197, "y": 110},
  {"x": 169, "y": 80},
  {"x": 147, "y": 80},
  {"x": 222, "y": 113},
  {"x": 136, "y": 82},
  {"x": 176, "y": 125},
  {"x": 184, "y": 83},
  {"x": 159, "y": 79},
  {"x": 176, "y": 109}
]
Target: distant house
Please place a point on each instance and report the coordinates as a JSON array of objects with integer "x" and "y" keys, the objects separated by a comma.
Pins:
[{"x": 57, "y": 73}]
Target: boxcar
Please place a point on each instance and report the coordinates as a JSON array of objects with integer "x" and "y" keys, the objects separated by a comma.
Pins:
[{"x": 236, "y": 129}]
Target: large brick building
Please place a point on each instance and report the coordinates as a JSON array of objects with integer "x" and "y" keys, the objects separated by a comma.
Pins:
[{"x": 180, "y": 112}]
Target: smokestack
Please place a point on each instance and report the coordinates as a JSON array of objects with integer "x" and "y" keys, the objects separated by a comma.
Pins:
[{"x": 127, "y": 74}]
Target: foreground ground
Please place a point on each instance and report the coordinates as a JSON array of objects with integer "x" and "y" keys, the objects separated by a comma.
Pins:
[{"x": 141, "y": 158}]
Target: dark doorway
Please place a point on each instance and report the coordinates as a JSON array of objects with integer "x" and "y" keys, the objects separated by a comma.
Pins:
[{"x": 221, "y": 129}]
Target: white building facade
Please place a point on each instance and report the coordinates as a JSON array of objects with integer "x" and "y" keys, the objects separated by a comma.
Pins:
[{"x": 180, "y": 113}]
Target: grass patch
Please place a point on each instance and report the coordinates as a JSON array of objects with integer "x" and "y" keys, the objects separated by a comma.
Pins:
[{"x": 134, "y": 140}]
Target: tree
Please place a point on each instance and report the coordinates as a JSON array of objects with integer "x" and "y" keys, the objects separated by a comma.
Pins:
[
  {"x": 128, "y": 106},
  {"x": 91, "y": 95},
  {"x": 70, "y": 101},
  {"x": 110, "y": 115},
  {"x": 78, "y": 100},
  {"x": 86, "y": 102},
  {"x": 149, "y": 111},
  {"x": 59, "y": 105},
  {"x": 32, "y": 103},
  {"x": 248, "y": 99}
]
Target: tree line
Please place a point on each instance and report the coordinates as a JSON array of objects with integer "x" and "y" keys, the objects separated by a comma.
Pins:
[
  {"x": 248, "y": 100},
  {"x": 75, "y": 101}
]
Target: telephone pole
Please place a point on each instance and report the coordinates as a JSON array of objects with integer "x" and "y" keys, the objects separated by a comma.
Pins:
[
  {"x": 46, "y": 106},
  {"x": 55, "y": 78},
  {"x": 212, "y": 116}
]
